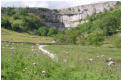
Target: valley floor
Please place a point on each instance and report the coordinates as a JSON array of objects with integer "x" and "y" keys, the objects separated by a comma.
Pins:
[{"x": 26, "y": 62}]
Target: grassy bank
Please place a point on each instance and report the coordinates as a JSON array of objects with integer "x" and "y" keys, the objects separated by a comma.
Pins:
[{"x": 11, "y": 36}]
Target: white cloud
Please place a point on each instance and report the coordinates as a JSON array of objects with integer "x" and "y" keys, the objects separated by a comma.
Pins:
[
  {"x": 52, "y": 4},
  {"x": 35, "y": 4}
]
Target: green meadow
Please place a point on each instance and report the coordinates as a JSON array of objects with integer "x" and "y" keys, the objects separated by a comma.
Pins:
[{"x": 72, "y": 63}]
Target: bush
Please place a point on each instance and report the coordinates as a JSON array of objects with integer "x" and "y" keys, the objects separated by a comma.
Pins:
[
  {"x": 52, "y": 31},
  {"x": 117, "y": 42},
  {"x": 16, "y": 16},
  {"x": 60, "y": 38},
  {"x": 42, "y": 31},
  {"x": 15, "y": 26},
  {"x": 67, "y": 36},
  {"x": 5, "y": 23},
  {"x": 9, "y": 11},
  {"x": 95, "y": 38},
  {"x": 109, "y": 24},
  {"x": 23, "y": 12}
]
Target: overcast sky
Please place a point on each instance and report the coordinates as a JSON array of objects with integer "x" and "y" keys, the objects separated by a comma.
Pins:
[{"x": 51, "y": 4}]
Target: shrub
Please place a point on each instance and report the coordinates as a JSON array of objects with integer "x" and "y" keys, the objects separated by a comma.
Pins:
[
  {"x": 117, "y": 41},
  {"x": 52, "y": 31},
  {"x": 5, "y": 23},
  {"x": 68, "y": 36},
  {"x": 15, "y": 26},
  {"x": 109, "y": 24},
  {"x": 23, "y": 12},
  {"x": 60, "y": 38},
  {"x": 16, "y": 16},
  {"x": 9, "y": 11},
  {"x": 42, "y": 31},
  {"x": 95, "y": 38}
]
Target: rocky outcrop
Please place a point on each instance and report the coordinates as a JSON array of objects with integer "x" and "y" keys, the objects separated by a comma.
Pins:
[{"x": 69, "y": 17}]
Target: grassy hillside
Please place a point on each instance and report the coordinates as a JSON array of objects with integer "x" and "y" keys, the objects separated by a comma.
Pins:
[
  {"x": 12, "y": 36},
  {"x": 23, "y": 21}
]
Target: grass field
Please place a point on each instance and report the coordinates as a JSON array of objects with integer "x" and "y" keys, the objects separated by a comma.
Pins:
[
  {"x": 27, "y": 62},
  {"x": 11, "y": 36}
]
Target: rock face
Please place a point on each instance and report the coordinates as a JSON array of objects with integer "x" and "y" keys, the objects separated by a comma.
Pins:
[{"x": 69, "y": 17}]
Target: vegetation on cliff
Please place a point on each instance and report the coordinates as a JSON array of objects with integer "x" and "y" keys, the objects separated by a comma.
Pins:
[
  {"x": 23, "y": 21},
  {"x": 95, "y": 31}
]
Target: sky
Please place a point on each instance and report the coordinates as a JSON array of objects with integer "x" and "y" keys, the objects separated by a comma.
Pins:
[{"x": 51, "y": 4}]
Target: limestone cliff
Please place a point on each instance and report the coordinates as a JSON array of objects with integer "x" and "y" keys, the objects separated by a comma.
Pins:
[{"x": 69, "y": 17}]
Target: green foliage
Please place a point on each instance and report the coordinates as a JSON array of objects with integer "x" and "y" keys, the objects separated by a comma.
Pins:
[
  {"x": 67, "y": 36},
  {"x": 95, "y": 38},
  {"x": 9, "y": 11},
  {"x": 16, "y": 16},
  {"x": 56, "y": 10},
  {"x": 42, "y": 31},
  {"x": 117, "y": 42},
  {"x": 52, "y": 31},
  {"x": 23, "y": 11},
  {"x": 118, "y": 3},
  {"x": 43, "y": 9},
  {"x": 109, "y": 24},
  {"x": 86, "y": 27},
  {"x": 5, "y": 23},
  {"x": 15, "y": 26},
  {"x": 27, "y": 21}
]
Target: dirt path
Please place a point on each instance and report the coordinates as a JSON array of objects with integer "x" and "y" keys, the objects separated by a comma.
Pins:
[{"x": 51, "y": 55}]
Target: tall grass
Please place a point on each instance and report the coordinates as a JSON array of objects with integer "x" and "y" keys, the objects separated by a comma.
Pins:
[{"x": 26, "y": 62}]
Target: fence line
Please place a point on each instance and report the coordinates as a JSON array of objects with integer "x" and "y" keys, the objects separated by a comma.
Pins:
[{"x": 37, "y": 43}]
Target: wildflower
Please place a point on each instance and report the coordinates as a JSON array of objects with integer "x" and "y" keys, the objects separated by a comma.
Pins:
[
  {"x": 43, "y": 72},
  {"x": 90, "y": 60},
  {"x": 12, "y": 48},
  {"x": 65, "y": 60},
  {"x": 34, "y": 64},
  {"x": 110, "y": 59},
  {"x": 23, "y": 70},
  {"x": 111, "y": 63},
  {"x": 32, "y": 50}
]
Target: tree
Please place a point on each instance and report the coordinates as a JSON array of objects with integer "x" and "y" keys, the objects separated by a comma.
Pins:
[
  {"x": 15, "y": 26},
  {"x": 118, "y": 3},
  {"x": 23, "y": 11},
  {"x": 9, "y": 11},
  {"x": 42, "y": 31},
  {"x": 52, "y": 31},
  {"x": 95, "y": 38},
  {"x": 79, "y": 15},
  {"x": 5, "y": 23},
  {"x": 109, "y": 24}
]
